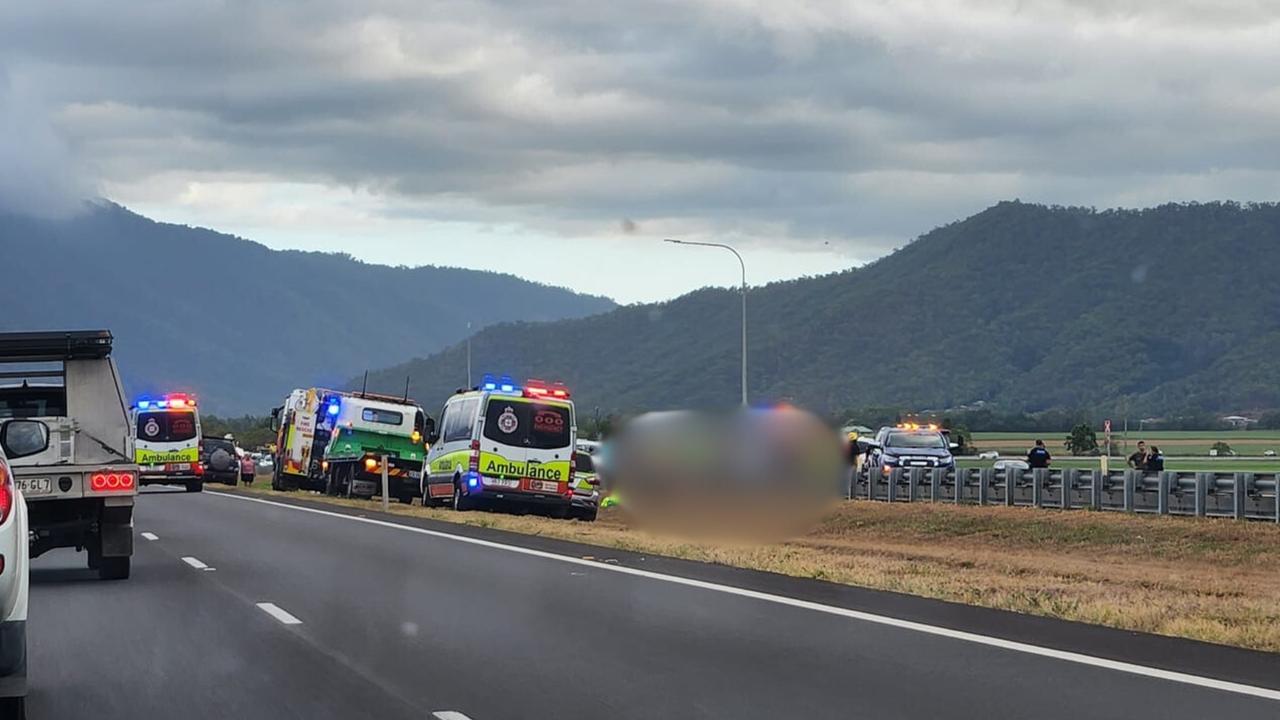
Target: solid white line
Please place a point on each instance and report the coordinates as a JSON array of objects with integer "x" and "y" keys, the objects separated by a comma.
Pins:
[
  {"x": 1066, "y": 656},
  {"x": 150, "y": 536},
  {"x": 278, "y": 613},
  {"x": 195, "y": 563},
  {"x": 449, "y": 715}
]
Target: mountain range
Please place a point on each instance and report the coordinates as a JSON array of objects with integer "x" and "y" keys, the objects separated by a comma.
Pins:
[
  {"x": 1021, "y": 306},
  {"x": 235, "y": 322}
]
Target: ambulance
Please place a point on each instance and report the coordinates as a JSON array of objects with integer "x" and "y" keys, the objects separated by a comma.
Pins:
[
  {"x": 502, "y": 443},
  {"x": 167, "y": 441},
  {"x": 334, "y": 442}
]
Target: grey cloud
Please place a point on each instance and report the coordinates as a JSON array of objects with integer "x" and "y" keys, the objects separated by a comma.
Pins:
[{"x": 845, "y": 126}]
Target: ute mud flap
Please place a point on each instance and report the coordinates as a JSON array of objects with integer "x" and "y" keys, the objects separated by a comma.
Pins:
[{"x": 116, "y": 529}]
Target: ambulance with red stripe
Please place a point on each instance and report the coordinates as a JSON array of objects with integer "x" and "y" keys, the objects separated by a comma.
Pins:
[
  {"x": 166, "y": 442},
  {"x": 501, "y": 443}
]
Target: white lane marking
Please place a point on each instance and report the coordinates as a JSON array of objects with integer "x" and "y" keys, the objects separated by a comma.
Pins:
[
  {"x": 278, "y": 613},
  {"x": 449, "y": 715},
  {"x": 1064, "y": 655},
  {"x": 195, "y": 563},
  {"x": 150, "y": 536}
]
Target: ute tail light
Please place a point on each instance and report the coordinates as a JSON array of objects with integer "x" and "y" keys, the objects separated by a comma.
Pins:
[
  {"x": 198, "y": 468},
  {"x": 370, "y": 464},
  {"x": 6, "y": 492},
  {"x": 111, "y": 481},
  {"x": 474, "y": 464}
]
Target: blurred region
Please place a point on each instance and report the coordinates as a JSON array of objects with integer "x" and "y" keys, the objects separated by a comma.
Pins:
[{"x": 748, "y": 476}]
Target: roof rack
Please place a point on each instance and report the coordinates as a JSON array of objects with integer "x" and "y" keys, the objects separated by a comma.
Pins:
[{"x": 52, "y": 346}]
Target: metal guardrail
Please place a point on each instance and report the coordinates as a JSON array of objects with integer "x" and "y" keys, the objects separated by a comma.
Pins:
[{"x": 1239, "y": 495}]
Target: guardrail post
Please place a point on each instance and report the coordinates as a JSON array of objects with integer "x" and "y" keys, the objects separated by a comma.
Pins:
[
  {"x": 1070, "y": 476},
  {"x": 1275, "y": 493},
  {"x": 935, "y": 484},
  {"x": 1239, "y": 496},
  {"x": 984, "y": 486},
  {"x": 1162, "y": 492},
  {"x": 1038, "y": 476},
  {"x": 1097, "y": 481},
  {"x": 385, "y": 486},
  {"x": 914, "y": 477},
  {"x": 1202, "y": 493},
  {"x": 873, "y": 477},
  {"x": 1130, "y": 480},
  {"x": 961, "y": 477},
  {"x": 1009, "y": 484},
  {"x": 894, "y": 476}
]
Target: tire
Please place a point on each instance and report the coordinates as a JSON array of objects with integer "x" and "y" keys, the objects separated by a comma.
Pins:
[
  {"x": 461, "y": 503},
  {"x": 589, "y": 515},
  {"x": 406, "y": 499},
  {"x": 195, "y": 486},
  {"x": 114, "y": 568},
  {"x": 13, "y": 708}
]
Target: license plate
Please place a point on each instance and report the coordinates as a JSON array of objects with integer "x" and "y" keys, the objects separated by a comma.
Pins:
[
  {"x": 415, "y": 474},
  {"x": 502, "y": 482},
  {"x": 545, "y": 486},
  {"x": 174, "y": 467},
  {"x": 34, "y": 486}
]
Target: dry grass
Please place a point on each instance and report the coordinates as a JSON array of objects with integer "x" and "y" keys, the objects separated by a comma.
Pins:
[{"x": 1212, "y": 580}]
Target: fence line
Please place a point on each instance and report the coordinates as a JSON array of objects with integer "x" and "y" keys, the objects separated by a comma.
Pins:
[{"x": 1239, "y": 495}]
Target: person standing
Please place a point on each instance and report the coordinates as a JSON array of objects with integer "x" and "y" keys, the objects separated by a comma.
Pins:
[
  {"x": 1038, "y": 456},
  {"x": 1138, "y": 460},
  {"x": 1155, "y": 461}
]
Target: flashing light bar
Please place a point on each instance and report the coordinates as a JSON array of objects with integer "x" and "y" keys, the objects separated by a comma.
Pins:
[
  {"x": 532, "y": 388},
  {"x": 917, "y": 426},
  {"x": 168, "y": 402}
]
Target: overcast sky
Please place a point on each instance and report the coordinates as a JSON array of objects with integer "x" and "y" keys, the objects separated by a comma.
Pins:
[{"x": 562, "y": 140}]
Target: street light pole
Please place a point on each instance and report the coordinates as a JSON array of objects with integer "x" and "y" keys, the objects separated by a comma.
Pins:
[
  {"x": 469, "y": 386},
  {"x": 743, "y": 265}
]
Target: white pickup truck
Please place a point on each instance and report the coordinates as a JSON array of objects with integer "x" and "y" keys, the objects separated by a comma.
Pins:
[{"x": 80, "y": 490}]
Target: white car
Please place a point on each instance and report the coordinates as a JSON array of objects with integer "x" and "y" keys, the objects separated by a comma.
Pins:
[
  {"x": 1269, "y": 453},
  {"x": 18, "y": 438},
  {"x": 988, "y": 455}
]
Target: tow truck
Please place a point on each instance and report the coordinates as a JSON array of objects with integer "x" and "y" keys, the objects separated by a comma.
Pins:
[
  {"x": 334, "y": 442},
  {"x": 80, "y": 489}
]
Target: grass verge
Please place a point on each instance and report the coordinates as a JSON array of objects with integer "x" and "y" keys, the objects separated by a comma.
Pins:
[{"x": 1205, "y": 579}]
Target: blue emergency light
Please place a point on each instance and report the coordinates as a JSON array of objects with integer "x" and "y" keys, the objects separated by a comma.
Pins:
[{"x": 333, "y": 408}]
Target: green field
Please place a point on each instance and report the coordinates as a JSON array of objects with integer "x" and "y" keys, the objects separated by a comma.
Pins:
[{"x": 1172, "y": 443}]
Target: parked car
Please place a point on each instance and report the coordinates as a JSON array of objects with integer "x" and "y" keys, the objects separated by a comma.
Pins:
[
  {"x": 906, "y": 446},
  {"x": 586, "y": 487},
  {"x": 988, "y": 455},
  {"x": 218, "y": 456},
  {"x": 18, "y": 438}
]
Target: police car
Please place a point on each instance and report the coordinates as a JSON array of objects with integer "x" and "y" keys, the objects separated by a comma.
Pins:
[
  {"x": 504, "y": 442},
  {"x": 907, "y": 445}
]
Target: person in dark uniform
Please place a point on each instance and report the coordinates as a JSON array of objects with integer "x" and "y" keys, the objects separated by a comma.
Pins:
[
  {"x": 1038, "y": 456},
  {"x": 1155, "y": 461},
  {"x": 1138, "y": 460}
]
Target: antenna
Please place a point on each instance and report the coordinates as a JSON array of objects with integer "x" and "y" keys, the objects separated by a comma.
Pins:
[
  {"x": 365, "y": 387},
  {"x": 406, "y": 388}
]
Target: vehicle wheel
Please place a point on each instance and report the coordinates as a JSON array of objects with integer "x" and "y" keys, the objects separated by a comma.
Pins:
[
  {"x": 461, "y": 502},
  {"x": 331, "y": 483},
  {"x": 589, "y": 515},
  {"x": 14, "y": 708},
  {"x": 114, "y": 568},
  {"x": 561, "y": 513},
  {"x": 406, "y": 499},
  {"x": 195, "y": 486}
]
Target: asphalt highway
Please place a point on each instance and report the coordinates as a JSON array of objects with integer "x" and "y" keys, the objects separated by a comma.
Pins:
[{"x": 240, "y": 608}]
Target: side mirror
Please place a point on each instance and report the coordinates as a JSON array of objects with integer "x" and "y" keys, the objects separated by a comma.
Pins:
[
  {"x": 21, "y": 438},
  {"x": 433, "y": 438},
  {"x": 429, "y": 426},
  {"x": 275, "y": 418},
  {"x": 955, "y": 446},
  {"x": 865, "y": 446}
]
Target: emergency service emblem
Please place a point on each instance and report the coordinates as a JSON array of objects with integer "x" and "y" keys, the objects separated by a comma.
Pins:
[
  {"x": 507, "y": 421},
  {"x": 152, "y": 428}
]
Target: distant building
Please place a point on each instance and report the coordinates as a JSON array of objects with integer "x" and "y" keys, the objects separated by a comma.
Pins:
[{"x": 1238, "y": 422}]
